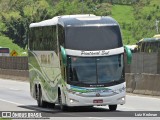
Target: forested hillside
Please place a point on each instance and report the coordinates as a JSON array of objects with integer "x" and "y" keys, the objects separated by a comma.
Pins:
[{"x": 136, "y": 17}]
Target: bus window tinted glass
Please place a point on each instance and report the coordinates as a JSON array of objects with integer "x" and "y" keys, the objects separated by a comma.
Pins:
[
  {"x": 43, "y": 38},
  {"x": 93, "y": 37}
]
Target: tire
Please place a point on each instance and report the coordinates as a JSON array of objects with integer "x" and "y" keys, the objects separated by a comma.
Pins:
[
  {"x": 50, "y": 105},
  {"x": 62, "y": 107},
  {"x": 112, "y": 107},
  {"x": 40, "y": 101}
]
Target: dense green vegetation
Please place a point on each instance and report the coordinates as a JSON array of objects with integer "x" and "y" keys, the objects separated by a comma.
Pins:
[
  {"x": 6, "y": 42},
  {"x": 136, "y": 17}
]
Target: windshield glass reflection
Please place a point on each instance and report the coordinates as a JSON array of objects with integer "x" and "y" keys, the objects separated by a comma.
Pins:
[{"x": 95, "y": 70}]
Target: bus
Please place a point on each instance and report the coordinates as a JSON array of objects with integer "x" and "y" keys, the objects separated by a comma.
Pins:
[
  {"x": 156, "y": 36},
  {"x": 149, "y": 45},
  {"x": 77, "y": 60}
]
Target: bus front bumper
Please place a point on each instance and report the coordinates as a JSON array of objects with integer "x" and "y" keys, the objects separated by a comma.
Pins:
[{"x": 75, "y": 100}]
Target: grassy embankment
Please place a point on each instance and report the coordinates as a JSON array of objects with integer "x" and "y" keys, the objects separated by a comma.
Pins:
[
  {"x": 124, "y": 14},
  {"x": 6, "y": 42}
]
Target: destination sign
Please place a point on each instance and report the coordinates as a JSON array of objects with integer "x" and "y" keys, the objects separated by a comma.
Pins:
[
  {"x": 98, "y": 53},
  {"x": 84, "y": 53}
]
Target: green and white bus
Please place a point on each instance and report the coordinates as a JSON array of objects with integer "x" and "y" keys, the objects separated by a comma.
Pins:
[{"x": 77, "y": 60}]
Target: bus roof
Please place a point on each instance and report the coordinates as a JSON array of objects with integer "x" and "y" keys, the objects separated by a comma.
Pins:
[
  {"x": 149, "y": 40},
  {"x": 77, "y": 20},
  {"x": 157, "y": 36}
]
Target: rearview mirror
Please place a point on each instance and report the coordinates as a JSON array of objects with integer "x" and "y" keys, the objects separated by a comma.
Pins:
[
  {"x": 129, "y": 54},
  {"x": 64, "y": 56}
]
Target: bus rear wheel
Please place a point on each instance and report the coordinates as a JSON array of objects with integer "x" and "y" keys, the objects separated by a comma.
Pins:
[
  {"x": 112, "y": 107},
  {"x": 40, "y": 101}
]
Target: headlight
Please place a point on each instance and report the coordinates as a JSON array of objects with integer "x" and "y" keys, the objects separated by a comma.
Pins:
[
  {"x": 122, "y": 98},
  {"x": 120, "y": 90}
]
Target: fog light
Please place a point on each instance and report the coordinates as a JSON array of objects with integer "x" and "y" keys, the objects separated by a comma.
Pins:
[
  {"x": 73, "y": 100},
  {"x": 123, "y": 98}
]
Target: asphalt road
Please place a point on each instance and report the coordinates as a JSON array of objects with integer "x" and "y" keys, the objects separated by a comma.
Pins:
[{"x": 15, "y": 96}]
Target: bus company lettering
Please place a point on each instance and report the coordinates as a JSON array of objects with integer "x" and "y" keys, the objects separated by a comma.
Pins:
[
  {"x": 45, "y": 59},
  {"x": 103, "y": 52}
]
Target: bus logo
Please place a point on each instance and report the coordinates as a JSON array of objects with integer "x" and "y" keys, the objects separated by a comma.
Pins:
[{"x": 97, "y": 95}]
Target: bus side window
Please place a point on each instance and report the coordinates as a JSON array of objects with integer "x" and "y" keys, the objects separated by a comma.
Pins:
[
  {"x": 35, "y": 38},
  {"x": 36, "y": 41},
  {"x": 158, "y": 46},
  {"x": 145, "y": 47},
  {"x": 142, "y": 47},
  {"x": 31, "y": 35},
  {"x": 149, "y": 47},
  {"x": 43, "y": 39},
  {"x": 54, "y": 39},
  {"x": 48, "y": 41},
  {"x": 61, "y": 35},
  {"x": 147, "y": 50}
]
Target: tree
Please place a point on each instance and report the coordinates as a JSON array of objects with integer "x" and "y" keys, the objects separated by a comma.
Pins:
[{"x": 19, "y": 14}]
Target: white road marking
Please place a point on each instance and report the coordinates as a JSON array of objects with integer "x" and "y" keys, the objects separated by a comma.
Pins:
[
  {"x": 11, "y": 102},
  {"x": 19, "y": 104},
  {"x": 14, "y": 89}
]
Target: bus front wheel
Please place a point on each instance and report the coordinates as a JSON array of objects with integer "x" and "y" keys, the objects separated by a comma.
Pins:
[
  {"x": 112, "y": 107},
  {"x": 62, "y": 107}
]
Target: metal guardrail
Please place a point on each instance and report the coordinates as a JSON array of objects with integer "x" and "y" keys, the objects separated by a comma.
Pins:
[
  {"x": 144, "y": 63},
  {"x": 141, "y": 63}
]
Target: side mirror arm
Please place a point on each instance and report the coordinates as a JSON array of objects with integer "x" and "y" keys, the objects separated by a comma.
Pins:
[
  {"x": 64, "y": 56},
  {"x": 129, "y": 54}
]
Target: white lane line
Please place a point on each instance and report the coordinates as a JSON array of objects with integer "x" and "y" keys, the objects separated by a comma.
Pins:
[
  {"x": 35, "y": 108},
  {"x": 14, "y": 81},
  {"x": 14, "y": 89},
  {"x": 11, "y": 102}
]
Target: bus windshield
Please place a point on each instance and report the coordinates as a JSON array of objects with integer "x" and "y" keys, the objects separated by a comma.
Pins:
[
  {"x": 93, "y": 37},
  {"x": 95, "y": 70}
]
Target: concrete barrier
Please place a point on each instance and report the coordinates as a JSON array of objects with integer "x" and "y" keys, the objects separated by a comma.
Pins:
[
  {"x": 22, "y": 75},
  {"x": 146, "y": 84},
  {"x": 130, "y": 82},
  {"x": 139, "y": 87},
  {"x": 149, "y": 81},
  {"x": 156, "y": 86}
]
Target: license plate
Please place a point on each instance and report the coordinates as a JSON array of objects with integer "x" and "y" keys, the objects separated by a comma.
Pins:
[{"x": 98, "y": 101}]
